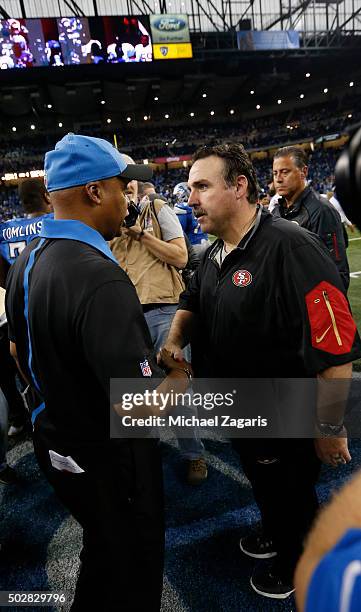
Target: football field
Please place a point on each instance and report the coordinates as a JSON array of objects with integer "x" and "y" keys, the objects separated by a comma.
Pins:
[{"x": 354, "y": 292}]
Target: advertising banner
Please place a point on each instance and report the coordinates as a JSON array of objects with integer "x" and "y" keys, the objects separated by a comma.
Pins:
[
  {"x": 267, "y": 40},
  {"x": 169, "y": 28},
  {"x": 174, "y": 51}
]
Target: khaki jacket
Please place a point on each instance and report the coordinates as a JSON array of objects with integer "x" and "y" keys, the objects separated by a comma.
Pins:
[{"x": 156, "y": 282}]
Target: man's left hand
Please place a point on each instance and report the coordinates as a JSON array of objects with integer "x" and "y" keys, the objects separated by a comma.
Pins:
[
  {"x": 332, "y": 451},
  {"x": 133, "y": 232}
]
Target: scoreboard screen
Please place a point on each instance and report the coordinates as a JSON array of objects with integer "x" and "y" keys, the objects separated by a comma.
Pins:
[{"x": 67, "y": 41}]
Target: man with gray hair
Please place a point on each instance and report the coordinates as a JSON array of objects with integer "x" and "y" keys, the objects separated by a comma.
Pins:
[{"x": 301, "y": 204}]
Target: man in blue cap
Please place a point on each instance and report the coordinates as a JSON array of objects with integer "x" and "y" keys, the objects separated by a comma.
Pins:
[{"x": 75, "y": 322}]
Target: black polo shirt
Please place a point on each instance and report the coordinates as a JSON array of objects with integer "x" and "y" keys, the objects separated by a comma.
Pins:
[
  {"x": 275, "y": 307},
  {"x": 86, "y": 326},
  {"x": 315, "y": 213}
]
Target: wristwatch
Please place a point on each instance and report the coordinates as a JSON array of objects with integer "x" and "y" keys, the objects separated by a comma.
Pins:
[
  {"x": 328, "y": 430},
  {"x": 186, "y": 370}
]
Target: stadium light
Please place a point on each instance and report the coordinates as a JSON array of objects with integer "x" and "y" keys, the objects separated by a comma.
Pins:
[
  {"x": 13, "y": 128},
  {"x": 60, "y": 124},
  {"x": 325, "y": 90},
  {"x": 102, "y": 101},
  {"x": 49, "y": 105},
  {"x": 349, "y": 116},
  {"x": 308, "y": 74},
  {"x": 191, "y": 114},
  {"x": 231, "y": 112},
  {"x": 109, "y": 120},
  {"x": 279, "y": 101},
  {"x": 129, "y": 119},
  {"x": 204, "y": 95},
  {"x": 351, "y": 83},
  {"x": 258, "y": 106},
  {"x": 156, "y": 98},
  {"x": 166, "y": 116},
  {"x": 212, "y": 113},
  {"x": 145, "y": 118},
  {"x": 252, "y": 92},
  {"x": 302, "y": 96},
  {"x": 32, "y": 127}
]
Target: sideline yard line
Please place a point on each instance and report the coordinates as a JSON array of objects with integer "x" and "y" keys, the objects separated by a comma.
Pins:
[
  {"x": 355, "y": 274},
  {"x": 351, "y": 239}
]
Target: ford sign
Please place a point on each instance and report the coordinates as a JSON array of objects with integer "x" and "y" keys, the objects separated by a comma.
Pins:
[{"x": 169, "y": 24}]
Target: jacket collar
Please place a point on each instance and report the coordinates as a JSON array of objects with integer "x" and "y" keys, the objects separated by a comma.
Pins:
[
  {"x": 297, "y": 203},
  {"x": 262, "y": 214},
  {"x": 70, "y": 229}
]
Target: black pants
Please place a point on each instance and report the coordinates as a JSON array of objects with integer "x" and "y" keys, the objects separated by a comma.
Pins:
[
  {"x": 118, "y": 501},
  {"x": 283, "y": 474},
  {"x": 17, "y": 412}
]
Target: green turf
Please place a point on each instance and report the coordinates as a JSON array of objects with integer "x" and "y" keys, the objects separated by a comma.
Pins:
[{"x": 354, "y": 292}]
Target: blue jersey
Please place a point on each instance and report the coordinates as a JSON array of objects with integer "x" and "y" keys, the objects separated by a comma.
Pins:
[
  {"x": 336, "y": 582},
  {"x": 17, "y": 233},
  {"x": 189, "y": 223}
]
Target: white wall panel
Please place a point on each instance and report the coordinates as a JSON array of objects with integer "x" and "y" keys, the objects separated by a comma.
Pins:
[{"x": 263, "y": 12}]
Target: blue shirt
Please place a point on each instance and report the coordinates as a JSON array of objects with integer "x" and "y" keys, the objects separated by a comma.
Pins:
[
  {"x": 189, "y": 223},
  {"x": 336, "y": 582},
  {"x": 17, "y": 233}
]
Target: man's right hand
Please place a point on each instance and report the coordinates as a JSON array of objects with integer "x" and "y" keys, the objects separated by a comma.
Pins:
[
  {"x": 175, "y": 352},
  {"x": 168, "y": 362}
]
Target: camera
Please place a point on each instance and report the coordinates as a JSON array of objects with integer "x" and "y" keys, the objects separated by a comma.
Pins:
[
  {"x": 348, "y": 178},
  {"x": 132, "y": 216}
]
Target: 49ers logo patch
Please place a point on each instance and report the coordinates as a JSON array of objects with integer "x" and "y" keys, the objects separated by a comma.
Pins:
[{"x": 242, "y": 278}]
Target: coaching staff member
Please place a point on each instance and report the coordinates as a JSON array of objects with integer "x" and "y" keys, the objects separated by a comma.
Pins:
[
  {"x": 84, "y": 324},
  {"x": 267, "y": 301},
  {"x": 301, "y": 204}
]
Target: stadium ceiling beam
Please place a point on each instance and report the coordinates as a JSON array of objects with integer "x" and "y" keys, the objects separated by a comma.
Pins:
[
  {"x": 246, "y": 11},
  {"x": 207, "y": 12},
  {"x": 300, "y": 7},
  {"x": 3, "y": 13},
  {"x": 146, "y": 8},
  {"x": 353, "y": 16},
  {"x": 75, "y": 8}
]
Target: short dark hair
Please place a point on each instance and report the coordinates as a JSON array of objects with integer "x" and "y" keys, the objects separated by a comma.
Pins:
[
  {"x": 31, "y": 193},
  {"x": 143, "y": 186},
  {"x": 236, "y": 162},
  {"x": 297, "y": 153}
]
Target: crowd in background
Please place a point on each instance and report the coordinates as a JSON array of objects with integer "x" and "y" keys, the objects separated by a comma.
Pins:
[
  {"x": 317, "y": 121},
  {"x": 321, "y": 174},
  {"x": 27, "y": 153}
]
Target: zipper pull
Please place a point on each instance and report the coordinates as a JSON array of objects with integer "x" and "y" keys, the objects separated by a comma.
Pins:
[{"x": 333, "y": 319}]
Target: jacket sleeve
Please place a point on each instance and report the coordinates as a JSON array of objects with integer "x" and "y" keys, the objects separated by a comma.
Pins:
[
  {"x": 314, "y": 301},
  {"x": 327, "y": 224}
]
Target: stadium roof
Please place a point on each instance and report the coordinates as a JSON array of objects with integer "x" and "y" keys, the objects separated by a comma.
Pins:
[{"x": 210, "y": 15}]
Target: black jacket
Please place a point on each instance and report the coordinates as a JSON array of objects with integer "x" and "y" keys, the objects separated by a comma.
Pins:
[
  {"x": 316, "y": 214},
  {"x": 266, "y": 311}
]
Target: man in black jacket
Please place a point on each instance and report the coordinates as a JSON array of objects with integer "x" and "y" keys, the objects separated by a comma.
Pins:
[
  {"x": 301, "y": 204},
  {"x": 306, "y": 330},
  {"x": 75, "y": 322}
]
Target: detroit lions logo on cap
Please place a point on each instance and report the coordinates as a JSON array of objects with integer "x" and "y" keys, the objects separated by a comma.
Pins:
[
  {"x": 145, "y": 367},
  {"x": 242, "y": 278}
]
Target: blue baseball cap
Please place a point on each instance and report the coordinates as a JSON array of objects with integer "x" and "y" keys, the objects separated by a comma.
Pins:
[{"x": 77, "y": 160}]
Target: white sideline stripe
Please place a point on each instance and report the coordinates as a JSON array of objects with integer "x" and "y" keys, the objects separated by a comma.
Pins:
[
  {"x": 355, "y": 274},
  {"x": 351, "y": 239}
]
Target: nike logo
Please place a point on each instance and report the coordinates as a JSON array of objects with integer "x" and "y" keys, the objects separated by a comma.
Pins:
[{"x": 320, "y": 338}]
